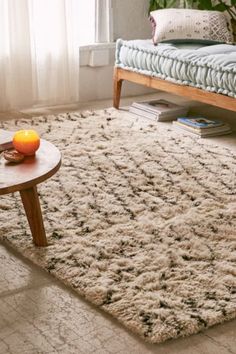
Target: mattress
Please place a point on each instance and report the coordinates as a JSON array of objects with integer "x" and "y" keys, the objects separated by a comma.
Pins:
[{"x": 209, "y": 67}]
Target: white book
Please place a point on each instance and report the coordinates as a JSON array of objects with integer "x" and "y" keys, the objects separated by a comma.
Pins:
[
  {"x": 203, "y": 131},
  {"x": 160, "y": 106},
  {"x": 155, "y": 115},
  {"x": 142, "y": 113},
  {"x": 172, "y": 115},
  {"x": 225, "y": 129}
]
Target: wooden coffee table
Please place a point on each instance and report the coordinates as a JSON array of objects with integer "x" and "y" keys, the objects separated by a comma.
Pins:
[{"x": 24, "y": 177}]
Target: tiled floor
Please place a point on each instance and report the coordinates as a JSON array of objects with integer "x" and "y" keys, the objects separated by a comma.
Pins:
[{"x": 40, "y": 315}]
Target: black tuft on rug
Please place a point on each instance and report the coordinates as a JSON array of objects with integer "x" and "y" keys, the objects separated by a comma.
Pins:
[{"x": 141, "y": 220}]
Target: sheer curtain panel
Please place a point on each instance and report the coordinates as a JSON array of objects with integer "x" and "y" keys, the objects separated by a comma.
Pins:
[{"x": 39, "y": 53}]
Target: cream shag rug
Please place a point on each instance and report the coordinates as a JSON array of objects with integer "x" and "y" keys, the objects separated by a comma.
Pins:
[{"x": 141, "y": 221}]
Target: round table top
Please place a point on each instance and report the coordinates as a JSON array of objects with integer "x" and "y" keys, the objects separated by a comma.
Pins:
[{"x": 31, "y": 171}]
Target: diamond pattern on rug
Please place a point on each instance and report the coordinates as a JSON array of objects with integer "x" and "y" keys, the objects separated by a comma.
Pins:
[{"x": 140, "y": 220}]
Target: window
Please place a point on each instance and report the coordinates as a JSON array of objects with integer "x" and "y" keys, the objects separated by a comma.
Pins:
[
  {"x": 103, "y": 32},
  {"x": 94, "y": 19}
]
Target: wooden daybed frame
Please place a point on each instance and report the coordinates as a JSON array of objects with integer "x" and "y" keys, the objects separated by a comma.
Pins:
[{"x": 214, "y": 99}]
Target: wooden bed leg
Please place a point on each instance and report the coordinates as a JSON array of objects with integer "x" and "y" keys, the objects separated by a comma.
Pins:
[{"x": 117, "y": 84}]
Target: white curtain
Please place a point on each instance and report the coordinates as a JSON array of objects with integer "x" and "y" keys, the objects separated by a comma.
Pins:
[{"x": 39, "y": 53}]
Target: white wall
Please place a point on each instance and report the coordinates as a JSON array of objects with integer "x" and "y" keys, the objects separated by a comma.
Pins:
[
  {"x": 96, "y": 84},
  {"x": 130, "y": 21}
]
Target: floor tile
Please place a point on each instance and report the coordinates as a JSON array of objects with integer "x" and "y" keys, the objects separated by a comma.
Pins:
[{"x": 17, "y": 275}]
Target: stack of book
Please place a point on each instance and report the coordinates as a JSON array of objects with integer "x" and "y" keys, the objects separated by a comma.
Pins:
[
  {"x": 5, "y": 140},
  {"x": 160, "y": 110},
  {"x": 202, "y": 127}
]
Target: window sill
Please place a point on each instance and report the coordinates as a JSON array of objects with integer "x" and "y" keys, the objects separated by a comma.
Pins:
[{"x": 98, "y": 54}]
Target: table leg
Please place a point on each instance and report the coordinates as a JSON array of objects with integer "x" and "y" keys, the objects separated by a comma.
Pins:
[{"x": 32, "y": 208}]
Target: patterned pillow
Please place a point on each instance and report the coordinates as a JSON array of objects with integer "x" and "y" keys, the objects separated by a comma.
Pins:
[{"x": 187, "y": 25}]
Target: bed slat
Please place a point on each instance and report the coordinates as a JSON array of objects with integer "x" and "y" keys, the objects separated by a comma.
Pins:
[{"x": 214, "y": 99}]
